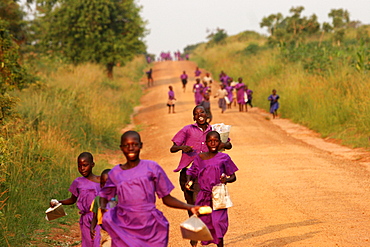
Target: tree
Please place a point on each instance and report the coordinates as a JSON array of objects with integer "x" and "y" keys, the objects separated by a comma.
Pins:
[
  {"x": 102, "y": 31},
  {"x": 218, "y": 37},
  {"x": 12, "y": 74},
  {"x": 13, "y": 19},
  {"x": 271, "y": 22},
  {"x": 340, "y": 18}
]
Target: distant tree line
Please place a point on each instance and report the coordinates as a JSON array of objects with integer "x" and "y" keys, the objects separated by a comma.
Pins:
[{"x": 295, "y": 28}]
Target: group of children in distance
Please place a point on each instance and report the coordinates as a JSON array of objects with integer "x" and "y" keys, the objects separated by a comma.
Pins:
[
  {"x": 229, "y": 93},
  {"x": 135, "y": 221}
]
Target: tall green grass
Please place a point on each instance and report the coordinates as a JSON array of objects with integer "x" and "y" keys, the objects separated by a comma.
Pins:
[
  {"x": 334, "y": 103},
  {"x": 71, "y": 110}
]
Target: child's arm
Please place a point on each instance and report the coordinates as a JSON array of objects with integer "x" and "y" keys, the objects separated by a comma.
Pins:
[
  {"x": 103, "y": 204},
  {"x": 225, "y": 145},
  {"x": 228, "y": 179},
  {"x": 176, "y": 148},
  {"x": 69, "y": 201},
  {"x": 94, "y": 221},
  {"x": 189, "y": 182},
  {"x": 173, "y": 202}
]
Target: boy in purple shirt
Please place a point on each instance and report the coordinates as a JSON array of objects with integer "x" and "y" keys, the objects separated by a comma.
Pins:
[{"x": 191, "y": 140}]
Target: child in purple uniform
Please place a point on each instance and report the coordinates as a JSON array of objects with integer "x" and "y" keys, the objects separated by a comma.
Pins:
[
  {"x": 171, "y": 100},
  {"x": 208, "y": 167},
  {"x": 240, "y": 89},
  {"x": 229, "y": 90},
  {"x": 274, "y": 104},
  {"x": 197, "y": 72},
  {"x": 198, "y": 91},
  {"x": 135, "y": 221},
  {"x": 84, "y": 190},
  {"x": 184, "y": 80}
]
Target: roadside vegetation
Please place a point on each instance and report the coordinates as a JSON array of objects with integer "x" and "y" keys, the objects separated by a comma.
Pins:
[
  {"x": 58, "y": 98},
  {"x": 320, "y": 71}
]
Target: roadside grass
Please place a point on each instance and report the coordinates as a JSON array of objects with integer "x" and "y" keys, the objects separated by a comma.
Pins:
[{"x": 71, "y": 110}]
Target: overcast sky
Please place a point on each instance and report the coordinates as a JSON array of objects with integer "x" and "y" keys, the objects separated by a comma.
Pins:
[{"x": 174, "y": 24}]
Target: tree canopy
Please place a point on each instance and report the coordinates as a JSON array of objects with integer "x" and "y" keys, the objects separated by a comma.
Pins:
[
  {"x": 295, "y": 28},
  {"x": 101, "y": 31}
]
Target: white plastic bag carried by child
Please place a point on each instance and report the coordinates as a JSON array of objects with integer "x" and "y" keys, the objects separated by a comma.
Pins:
[
  {"x": 221, "y": 197},
  {"x": 194, "y": 229},
  {"x": 223, "y": 130}
]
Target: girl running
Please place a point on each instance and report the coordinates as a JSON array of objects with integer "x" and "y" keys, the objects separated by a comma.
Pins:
[
  {"x": 136, "y": 221},
  {"x": 84, "y": 189},
  {"x": 209, "y": 168},
  {"x": 274, "y": 104}
]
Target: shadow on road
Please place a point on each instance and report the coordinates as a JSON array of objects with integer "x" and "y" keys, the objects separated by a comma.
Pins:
[{"x": 275, "y": 228}]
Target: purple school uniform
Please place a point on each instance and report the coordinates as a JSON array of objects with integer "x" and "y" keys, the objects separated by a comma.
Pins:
[
  {"x": 191, "y": 135},
  {"x": 274, "y": 104},
  {"x": 171, "y": 95},
  {"x": 183, "y": 76},
  {"x": 249, "y": 94},
  {"x": 198, "y": 91},
  {"x": 229, "y": 90},
  {"x": 208, "y": 173},
  {"x": 86, "y": 191},
  {"x": 197, "y": 73},
  {"x": 135, "y": 221},
  {"x": 240, "y": 93}
]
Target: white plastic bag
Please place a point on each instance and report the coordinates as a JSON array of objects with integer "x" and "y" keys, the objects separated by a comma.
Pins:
[
  {"x": 194, "y": 229},
  {"x": 227, "y": 100},
  {"x": 245, "y": 97},
  {"x": 221, "y": 197},
  {"x": 223, "y": 130}
]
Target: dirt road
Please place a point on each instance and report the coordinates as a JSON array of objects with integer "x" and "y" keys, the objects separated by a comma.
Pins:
[{"x": 292, "y": 189}]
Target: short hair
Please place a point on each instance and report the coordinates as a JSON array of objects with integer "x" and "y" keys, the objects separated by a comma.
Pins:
[
  {"x": 196, "y": 107},
  {"x": 106, "y": 171},
  {"x": 213, "y": 133},
  {"x": 86, "y": 155},
  {"x": 130, "y": 133}
]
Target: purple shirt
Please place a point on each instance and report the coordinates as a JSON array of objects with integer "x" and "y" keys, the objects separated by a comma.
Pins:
[
  {"x": 183, "y": 76},
  {"x": 136, "y": 221},
  {"x": 86, "y": 191},
  {"x": 171, "y": 95},
  {"x": 197, "y": 72},
  {"x": 249, "y": 93},
  {"x": 191, "y": 135},
  {"x": 240, "y": 93}
]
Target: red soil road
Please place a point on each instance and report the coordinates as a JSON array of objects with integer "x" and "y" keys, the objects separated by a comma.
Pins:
[{"x": 293, "y": 188}]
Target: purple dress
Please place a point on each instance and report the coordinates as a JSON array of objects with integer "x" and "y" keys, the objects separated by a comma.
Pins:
[
  {"x": 240, "y": 93},
  {"x": 135, "y": 221},
  {"x": 229, "y": 90},
  {"x": 86, "y": 191},
  {"x": 208, "y": 173},
  {"x": 274, "y": 104},
  {"x": 198, "y": 93}
]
